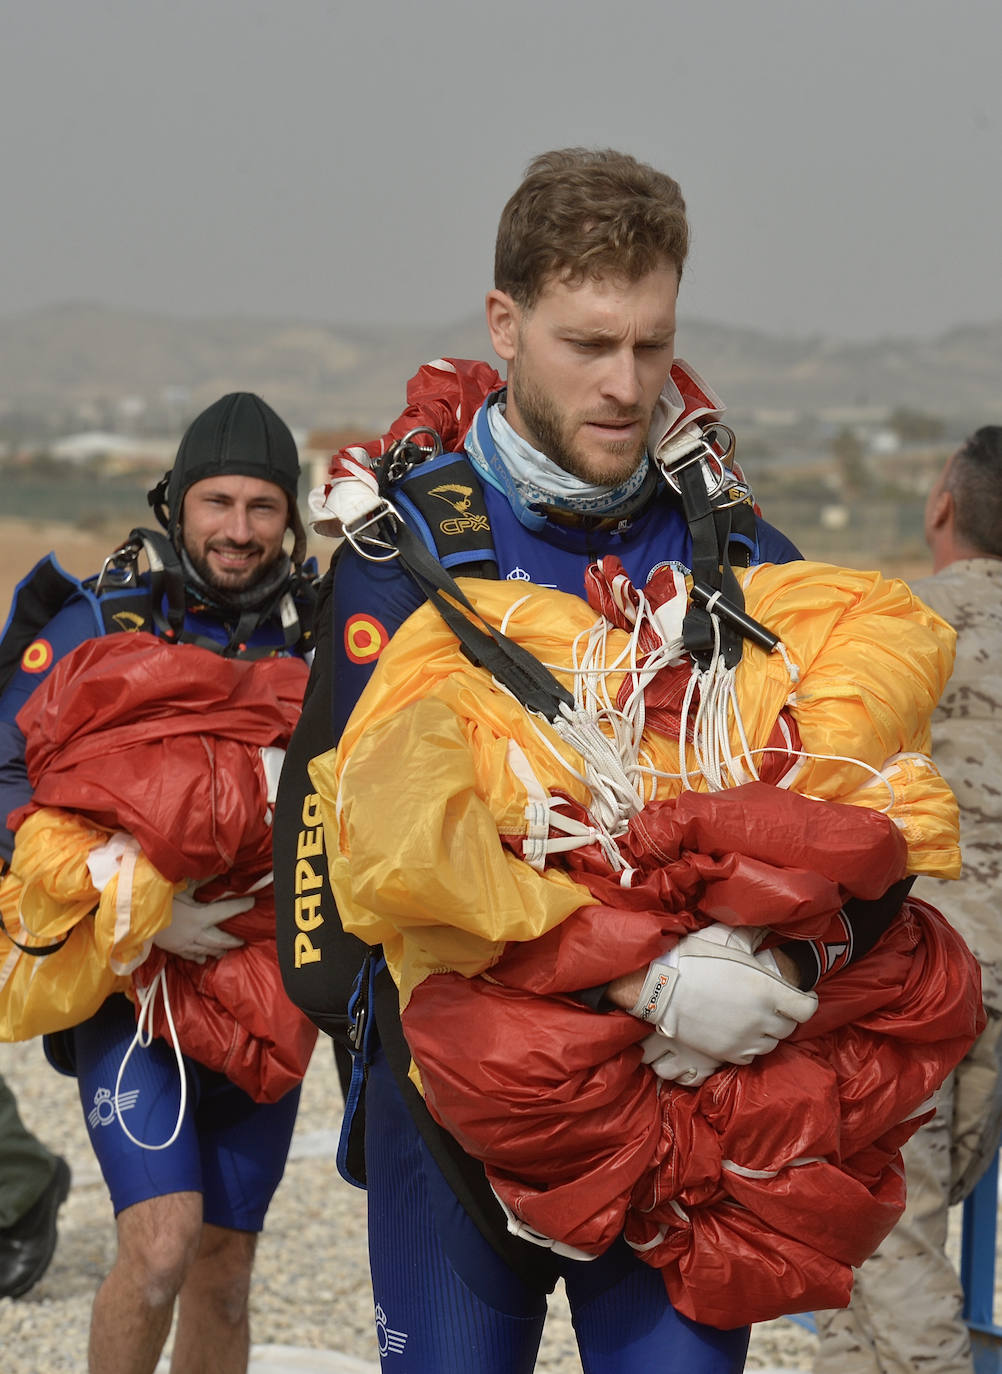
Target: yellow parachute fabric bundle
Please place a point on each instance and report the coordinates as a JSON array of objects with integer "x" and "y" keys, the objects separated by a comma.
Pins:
[
  {"x": 48, "y": 894},
  {"x": 421, "y": 870},
  {"x": 436, "y": 760}
]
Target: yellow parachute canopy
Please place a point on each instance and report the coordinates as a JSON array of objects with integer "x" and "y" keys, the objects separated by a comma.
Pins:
[{"x": 437, "y": 760}]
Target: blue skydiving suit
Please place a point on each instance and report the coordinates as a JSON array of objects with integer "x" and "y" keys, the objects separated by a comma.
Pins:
[
  {"x": 454, "y": 1296},
  {"x": 230, "y": 1148}
]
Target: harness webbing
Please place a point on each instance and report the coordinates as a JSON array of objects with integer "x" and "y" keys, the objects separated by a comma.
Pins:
[
  {"x": 518, "y": 670},
  {"x": 167, "y": 588},
  {"x": 711, "y": 531},
  {"x": 37, "y": 951}
]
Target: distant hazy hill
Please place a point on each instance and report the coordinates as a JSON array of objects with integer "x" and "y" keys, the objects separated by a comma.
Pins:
[{"x": 320, "y": 374}]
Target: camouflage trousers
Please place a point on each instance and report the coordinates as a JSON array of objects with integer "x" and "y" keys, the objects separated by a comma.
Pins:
[
  {"x": 905, "y": 1312},
  {"x": 26, "y": 1166}
]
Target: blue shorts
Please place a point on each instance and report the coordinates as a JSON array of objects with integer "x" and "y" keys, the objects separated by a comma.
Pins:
[
  {"x": 230, "y": 1148},
  {"x": 445, "y": 1303}
]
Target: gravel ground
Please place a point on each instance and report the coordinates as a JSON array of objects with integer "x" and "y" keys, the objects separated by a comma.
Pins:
[{"x": 311, "y": 1285}]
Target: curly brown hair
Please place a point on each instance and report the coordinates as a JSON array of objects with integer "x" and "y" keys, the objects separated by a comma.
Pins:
[{"x": 583, "y": 212}]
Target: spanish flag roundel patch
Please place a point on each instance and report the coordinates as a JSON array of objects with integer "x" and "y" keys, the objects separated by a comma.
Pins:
[
  {"x": 37, "y": 657},
  {"x": 364, "y": 638}
]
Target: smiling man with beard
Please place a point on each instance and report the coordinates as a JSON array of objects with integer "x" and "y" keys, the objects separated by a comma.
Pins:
[
  {"x": 187, "y": 1211},
  {"x": 227, "y": 503}
]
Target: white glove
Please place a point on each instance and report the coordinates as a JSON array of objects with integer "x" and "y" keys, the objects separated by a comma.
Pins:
[
  {"x": 713, "y": 994},
  {"x": 677, "y": 1062},
  {"x": 193, "y": 932}
]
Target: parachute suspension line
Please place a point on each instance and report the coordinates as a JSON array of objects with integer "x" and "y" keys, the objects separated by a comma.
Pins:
[
  {"x": 611, "y": 759},
  {"x": 615, "y": 799},
  {"x": 746, "y": 749},
  {"x": 619, "y": 785},
  {"x": 144, "y": 1038},
  {"x": 615, "y": 766},
  {"x": 669, "y": 653},
  {"x": 597, "y": 833},
  {"x": 718, "y": 706},
  {"x": 791, "y": 667},
  {"x": 607, "y": 760},
  {"x": 506, "y": 618},
  {"x": 877, "y": 775},
  {"x": 703, "y": 685},
  {"x": 683, "y": 729}
]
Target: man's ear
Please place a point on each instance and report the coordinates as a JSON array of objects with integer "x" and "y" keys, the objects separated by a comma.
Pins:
[
  {"x": 503, "y": 318},
  {"x": 941, "y": 511}
]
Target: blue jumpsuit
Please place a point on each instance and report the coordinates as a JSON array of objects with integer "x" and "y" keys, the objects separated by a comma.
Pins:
[{"x": 446, "y": 1302}]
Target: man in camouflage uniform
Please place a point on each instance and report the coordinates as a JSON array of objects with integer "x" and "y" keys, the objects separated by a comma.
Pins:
[
  {"x": 905, "y": 1313},
  {"x": 33, "y": 1185}
]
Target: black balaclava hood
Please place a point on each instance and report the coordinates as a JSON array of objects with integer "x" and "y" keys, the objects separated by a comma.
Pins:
[{"x": 237, "y": 435}]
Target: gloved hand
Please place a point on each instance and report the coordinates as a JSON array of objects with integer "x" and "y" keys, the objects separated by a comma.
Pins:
[
  {"x": 193, "y": 932},
  {"x": 713, "y": 994},
  {"x": 672, "y": 1060}
]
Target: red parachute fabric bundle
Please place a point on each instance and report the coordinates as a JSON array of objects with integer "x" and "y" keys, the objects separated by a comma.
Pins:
[
  {"x": 442, "y": 396},
  {"x": 163, "y": 741},
  {"x": 232, "y": 1013},
  {"x": 755, "y": 1193}
]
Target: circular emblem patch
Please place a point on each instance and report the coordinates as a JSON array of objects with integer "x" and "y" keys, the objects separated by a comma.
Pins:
[
  {"x": 37, "y": 657},
  {"x": 364, "y": 638}
]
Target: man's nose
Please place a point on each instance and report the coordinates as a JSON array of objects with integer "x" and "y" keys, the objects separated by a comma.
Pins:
[
  {"x": 622, "y": 380},
  {"x": 238, "y": 525}
]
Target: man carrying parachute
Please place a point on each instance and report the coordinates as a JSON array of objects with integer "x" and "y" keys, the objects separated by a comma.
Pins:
[
  {"x": 586, "y": 833},
  {"x": 138, "y": 773}
]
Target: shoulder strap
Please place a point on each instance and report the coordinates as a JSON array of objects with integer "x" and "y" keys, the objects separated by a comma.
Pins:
[
  {"x": 37, "y": 598},
  {"x": 445, "y": 500},
  {"x": 721, "y": 520},
  {"x": 128, "y": 610},
  {"x": 160, "y": 604},
  {"x": 521, "y": 672}
]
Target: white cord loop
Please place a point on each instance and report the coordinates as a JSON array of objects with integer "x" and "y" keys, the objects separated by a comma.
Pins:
[
  {"x": 608, "y": 737},
  {"x": 144, "y": 1038}
]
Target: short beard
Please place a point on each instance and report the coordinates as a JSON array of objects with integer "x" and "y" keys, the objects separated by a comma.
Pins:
[
  {"x": 550, "y": 433},
  {"x": 228, "y": 587}
]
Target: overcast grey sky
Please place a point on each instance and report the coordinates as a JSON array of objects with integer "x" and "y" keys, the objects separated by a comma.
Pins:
[{"x": 347, "y": 162}]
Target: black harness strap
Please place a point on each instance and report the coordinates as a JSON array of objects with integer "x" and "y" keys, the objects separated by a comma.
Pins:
[
  {"x": 518, "y": 670},
  {"x": 36, "y": 601},
  {"x": 711, "y": 531},
  {"x": 450, "y": 500},
  {"x": 37, "y": 951},
  {"x": 166, "y": 586}
]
